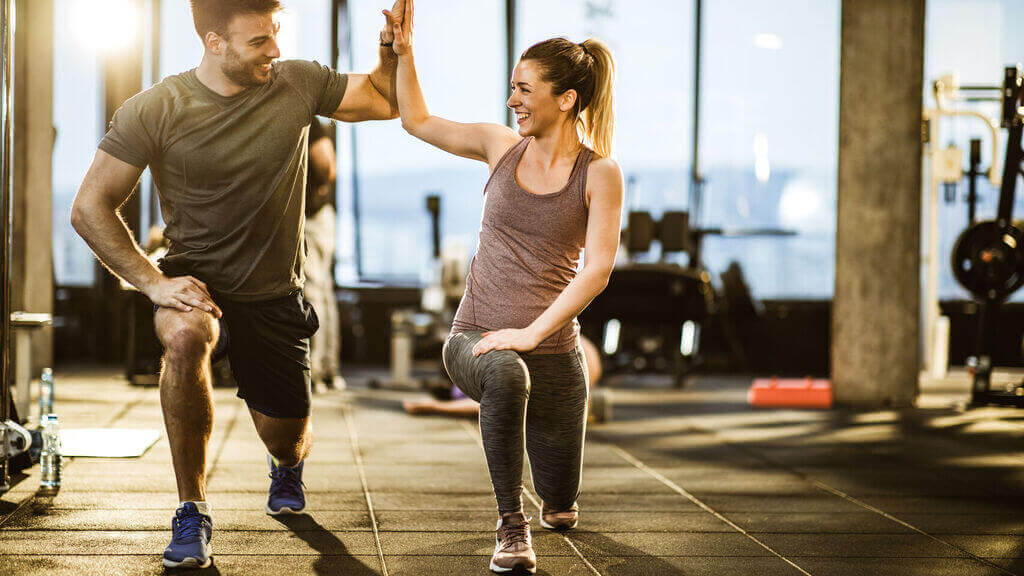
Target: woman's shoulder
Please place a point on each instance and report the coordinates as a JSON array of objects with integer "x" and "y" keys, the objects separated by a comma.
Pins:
[
  {"x": 604, "y": 179},
  {"x": 505, "y": 139},
  {"x": 501, "y": 147},
  {"x": 603, "y": 170}
]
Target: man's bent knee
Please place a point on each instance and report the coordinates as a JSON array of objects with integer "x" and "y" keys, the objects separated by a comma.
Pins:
[
  {"x": 287, "y": 439},
  {"x": 186, "y": 336}
]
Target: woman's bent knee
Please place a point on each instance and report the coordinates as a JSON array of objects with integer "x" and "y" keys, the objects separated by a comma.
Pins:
[{"x": 507, "y": 373}]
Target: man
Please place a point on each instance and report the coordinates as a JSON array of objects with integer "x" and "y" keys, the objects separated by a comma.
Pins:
[
  {"x": 319, "y": 233},
  {"x": 226, "y": 146}
]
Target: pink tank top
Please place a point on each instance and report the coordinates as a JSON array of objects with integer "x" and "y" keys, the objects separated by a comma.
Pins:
[{"x": 529, "y": 250}]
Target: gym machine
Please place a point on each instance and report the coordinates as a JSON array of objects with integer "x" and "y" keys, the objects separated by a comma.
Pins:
[
  {"x": 651, "y": 314},
  {"x": 988, "y": 258},
  {"x": 945, "y": 168},
  {"x": 649, "y": 317}
]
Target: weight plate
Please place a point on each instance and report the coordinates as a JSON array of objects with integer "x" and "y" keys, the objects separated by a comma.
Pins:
[{"x": 988, "y": 260}]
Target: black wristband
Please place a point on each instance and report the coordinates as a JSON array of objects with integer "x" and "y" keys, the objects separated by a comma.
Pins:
[{"x": 387, "y": 44}]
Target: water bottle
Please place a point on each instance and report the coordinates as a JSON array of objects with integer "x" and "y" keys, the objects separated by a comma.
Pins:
[
  {"x": 45, "y": 395},
  {"x": 49, "y": 458}
]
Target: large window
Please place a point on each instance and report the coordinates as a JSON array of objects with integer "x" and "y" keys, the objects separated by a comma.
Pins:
[
  {"x": 78, "y": 117},
  {"x": 84, "y": 40},
  {"x": 460, "y": 58},
  {"x": 769, "y": 140},
  {"x": 769, "y": 121},
  {"x": 394, "y": 172},
  {"x": 975, "y": 40},
  {"x": 180, "y": 47}
]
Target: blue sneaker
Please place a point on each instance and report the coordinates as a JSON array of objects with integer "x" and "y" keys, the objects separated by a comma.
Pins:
[
  {"x": 190, "y": 542},
  {"x": 286, "y": 495}
]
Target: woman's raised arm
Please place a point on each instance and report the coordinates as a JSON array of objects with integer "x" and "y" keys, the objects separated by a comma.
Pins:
[{"x": 479, "y": 141}]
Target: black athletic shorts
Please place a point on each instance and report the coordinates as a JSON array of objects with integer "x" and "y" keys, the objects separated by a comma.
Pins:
[{"x": 267, "y": 344}]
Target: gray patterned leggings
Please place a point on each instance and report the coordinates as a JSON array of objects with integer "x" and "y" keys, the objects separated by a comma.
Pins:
[{"x": 549, "y": 393}]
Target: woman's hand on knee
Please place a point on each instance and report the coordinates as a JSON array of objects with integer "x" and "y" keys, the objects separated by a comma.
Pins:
[{"x": 520, "y": 340}]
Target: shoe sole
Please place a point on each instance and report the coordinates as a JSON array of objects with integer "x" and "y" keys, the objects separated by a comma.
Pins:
[
  {"x": 188, "y": 563},
  {"x": 560, "y": 528},
  {"x": 522, "y": 569},
  {"x": 284, "y": 511}
]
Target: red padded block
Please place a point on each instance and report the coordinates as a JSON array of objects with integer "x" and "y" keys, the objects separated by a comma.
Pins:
[{"x": 790, "y": 393}]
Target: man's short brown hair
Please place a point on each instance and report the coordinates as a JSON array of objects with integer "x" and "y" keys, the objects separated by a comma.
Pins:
[{"x": 216, "y": 15}]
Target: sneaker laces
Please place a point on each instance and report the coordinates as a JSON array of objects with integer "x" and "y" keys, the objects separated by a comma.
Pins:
[
  {"x": 285, "y": 482},
  {"x": 188, "y": 524},
  {"x": 515, "y": 534}
]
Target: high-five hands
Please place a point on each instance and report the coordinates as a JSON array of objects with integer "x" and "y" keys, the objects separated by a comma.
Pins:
[
  {"x": 397, "y": 12},
  {"x": 399, "y": 18}
]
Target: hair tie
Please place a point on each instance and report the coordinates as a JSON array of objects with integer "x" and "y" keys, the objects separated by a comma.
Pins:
[{"x": 585, "y": 51}]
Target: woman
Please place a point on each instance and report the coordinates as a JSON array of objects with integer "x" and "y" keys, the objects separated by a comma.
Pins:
[{"x": 515, "y": 340}]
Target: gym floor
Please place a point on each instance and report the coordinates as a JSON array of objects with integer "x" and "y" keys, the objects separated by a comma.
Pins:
[{"x": 679, "y": 482}]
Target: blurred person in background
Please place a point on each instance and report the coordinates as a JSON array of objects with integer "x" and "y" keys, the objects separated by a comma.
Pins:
[{"x": 321, "y": 216}]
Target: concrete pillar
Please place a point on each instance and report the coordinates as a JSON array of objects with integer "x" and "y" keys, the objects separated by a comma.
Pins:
[
  {"x": 875, "y": 316},
  {"x": 32, "y": 262}
]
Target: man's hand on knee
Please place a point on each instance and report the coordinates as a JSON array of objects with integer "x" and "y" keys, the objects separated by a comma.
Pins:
[{"x": 183, "y": 293}]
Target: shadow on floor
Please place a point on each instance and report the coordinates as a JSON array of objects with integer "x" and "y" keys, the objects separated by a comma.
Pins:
[
  {"x": 335, "y": 559},
  {"x": 596, "y": 546},
  {"x": 8, "y": 508},
  {"x": 211, "y": 570}
]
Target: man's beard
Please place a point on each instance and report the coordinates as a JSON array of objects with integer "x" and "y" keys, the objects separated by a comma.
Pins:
[{"x": 242, "y": 73}]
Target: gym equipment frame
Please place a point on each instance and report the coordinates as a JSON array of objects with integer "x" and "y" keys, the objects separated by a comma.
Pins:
[
  {"x": 988, "y": 258},
  {"x": 6, "y": 223}
]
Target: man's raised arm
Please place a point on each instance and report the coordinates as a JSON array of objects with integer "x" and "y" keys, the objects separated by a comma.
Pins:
[{"x": 373, "y": 96}]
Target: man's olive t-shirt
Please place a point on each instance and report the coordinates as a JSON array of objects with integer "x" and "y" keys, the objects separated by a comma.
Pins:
[{"x": 230, "y": 173}]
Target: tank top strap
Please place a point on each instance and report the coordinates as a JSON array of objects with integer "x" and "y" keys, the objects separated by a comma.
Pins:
[
  {"x": 578, "y": 186},
  {"x": 506, "y": 166}
]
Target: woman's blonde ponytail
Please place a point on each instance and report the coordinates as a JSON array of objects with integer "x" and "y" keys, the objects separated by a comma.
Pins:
[{"x": 598, "y": 119}]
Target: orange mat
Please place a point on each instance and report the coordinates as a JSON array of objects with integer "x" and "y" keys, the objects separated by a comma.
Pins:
[{"x": 790, "y": 393}]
